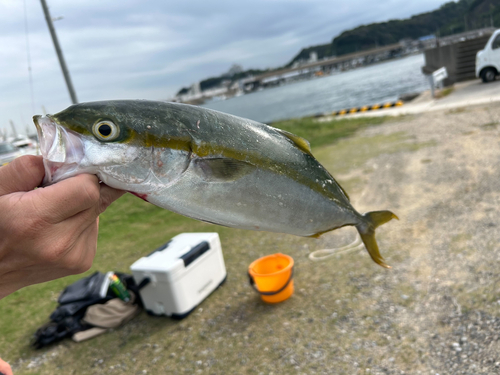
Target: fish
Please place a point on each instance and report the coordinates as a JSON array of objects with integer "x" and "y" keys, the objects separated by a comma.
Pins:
[{"x": 203, "y": 164}]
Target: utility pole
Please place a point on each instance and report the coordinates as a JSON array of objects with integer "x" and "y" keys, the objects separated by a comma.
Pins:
[{"x": 67, "y": 78}]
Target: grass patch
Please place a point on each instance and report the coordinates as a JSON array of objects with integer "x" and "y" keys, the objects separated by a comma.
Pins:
[
  {"x": 444, "y": 92},
  {"x": 457, "y": 110},
  {"x": 320, "y": 133},
  {"x": 461, "y": 238},
  {"x": 490, "y": 126},
  {"x": 354, "y": 152}
]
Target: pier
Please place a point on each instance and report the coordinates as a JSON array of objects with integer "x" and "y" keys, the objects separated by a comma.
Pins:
[{"x": 329, "y": 65}]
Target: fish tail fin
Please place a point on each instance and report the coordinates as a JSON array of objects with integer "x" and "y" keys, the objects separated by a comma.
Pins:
[{"x": 367, "y": 232}]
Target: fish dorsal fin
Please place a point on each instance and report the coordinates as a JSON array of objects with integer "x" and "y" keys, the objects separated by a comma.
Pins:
[
  {"x": 222, "y": 169},
  {"x": 345, "y": 192},
  {"x": 301, "y": 143}
]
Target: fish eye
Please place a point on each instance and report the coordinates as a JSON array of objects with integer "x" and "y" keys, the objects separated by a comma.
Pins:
[{"x": 105, "y": 130}]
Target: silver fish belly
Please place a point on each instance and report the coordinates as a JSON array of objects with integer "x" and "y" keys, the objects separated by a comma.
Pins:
[{"x": 275, "y": 203}]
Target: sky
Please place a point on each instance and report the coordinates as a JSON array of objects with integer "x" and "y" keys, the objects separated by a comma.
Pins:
[{"x": 149, "y": 49}]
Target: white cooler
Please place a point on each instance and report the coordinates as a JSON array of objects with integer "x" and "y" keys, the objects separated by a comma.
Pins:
[{"x": 182, "y": 273}]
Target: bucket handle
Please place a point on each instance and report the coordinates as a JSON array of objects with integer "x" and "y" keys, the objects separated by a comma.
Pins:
[{"x": 252, "y": 284}]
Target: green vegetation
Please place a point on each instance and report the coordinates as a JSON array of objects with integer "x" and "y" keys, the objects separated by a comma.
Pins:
[
  {"x": 216, "y": 81},
  {"x": 490, "y": 126},
  {"x": 450, "y": 18},
  {"x": 457, "y": 110},
  {"x": 366, "y": 148},
  {"x": 444, "y": 92},
  {"x": 213, "y": 82},
  {"x": 319, "y": 132}
]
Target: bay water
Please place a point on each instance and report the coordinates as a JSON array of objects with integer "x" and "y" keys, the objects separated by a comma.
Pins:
[{"x": 374, "y": 84}]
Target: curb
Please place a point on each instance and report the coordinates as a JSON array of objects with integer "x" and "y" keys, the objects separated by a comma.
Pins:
[{"x": 374, "y": 107}]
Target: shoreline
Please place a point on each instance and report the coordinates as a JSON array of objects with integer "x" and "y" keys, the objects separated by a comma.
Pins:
[{"x": 465, "y": 94}]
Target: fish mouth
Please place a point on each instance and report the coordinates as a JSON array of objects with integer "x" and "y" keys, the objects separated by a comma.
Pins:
[{"x": 62, "y": 149}]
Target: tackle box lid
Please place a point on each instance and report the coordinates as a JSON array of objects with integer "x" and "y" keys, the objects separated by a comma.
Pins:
[{"x": 177, "y": 253}]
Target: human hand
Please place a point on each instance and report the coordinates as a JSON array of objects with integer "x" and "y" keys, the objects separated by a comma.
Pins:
[
  {"x": 5, "y": 368},
  {"x": 49, "y": 232}
]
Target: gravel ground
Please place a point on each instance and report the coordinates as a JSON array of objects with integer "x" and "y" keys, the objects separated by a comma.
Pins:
[
  {"x": 437, "y": 311},
  {"x": 448, "y": 199}
]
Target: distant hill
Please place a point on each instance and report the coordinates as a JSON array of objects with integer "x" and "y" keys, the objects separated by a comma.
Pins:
[{"x": 450, "y": 18}]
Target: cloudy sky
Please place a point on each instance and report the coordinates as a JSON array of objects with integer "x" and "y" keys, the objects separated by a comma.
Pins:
[{"x": 149, "y": 49}]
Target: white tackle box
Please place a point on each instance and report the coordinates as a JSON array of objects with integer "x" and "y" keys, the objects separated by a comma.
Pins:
[{"x": 182, "y": 273}]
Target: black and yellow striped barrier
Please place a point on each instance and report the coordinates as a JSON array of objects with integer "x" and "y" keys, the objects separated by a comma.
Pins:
[{"x": 366, "y": 108}]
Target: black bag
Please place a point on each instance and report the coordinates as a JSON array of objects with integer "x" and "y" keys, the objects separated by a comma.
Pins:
[
  {"x": 75, "y": 298},
  {"x": 65, "y": 320}
]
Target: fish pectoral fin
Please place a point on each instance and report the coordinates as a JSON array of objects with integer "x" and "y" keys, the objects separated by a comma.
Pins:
[
  {"x": 301, "y": 143},
  {"x": 222, "y": 169}
]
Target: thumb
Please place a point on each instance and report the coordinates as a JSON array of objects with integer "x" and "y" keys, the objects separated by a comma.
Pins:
[{"x": 23, "y": 174}]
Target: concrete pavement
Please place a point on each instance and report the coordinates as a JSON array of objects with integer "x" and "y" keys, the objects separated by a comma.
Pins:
[{"x": 465, "y": 94}]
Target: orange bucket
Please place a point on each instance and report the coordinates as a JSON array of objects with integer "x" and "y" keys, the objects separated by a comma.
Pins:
[{"x": 272, "y": 277}]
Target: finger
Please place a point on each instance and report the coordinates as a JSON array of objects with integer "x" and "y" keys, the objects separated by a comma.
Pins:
[
  {"x": 5, "y": 368},
  {"x": 76, "y": 258},
  {"x": 88, "y": 216},
  {"x": 81, "y": 256},
  {"x": 108, "y": 196},
  {"x": 90, "y": 237},
  {"x": 58, "y": 202},
  {"x": 23, "y": 174},
  {"x": 77, "y": 223}
]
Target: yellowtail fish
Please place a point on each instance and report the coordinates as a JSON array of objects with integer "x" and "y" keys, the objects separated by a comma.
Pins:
[{"x": 203, "y": 164}]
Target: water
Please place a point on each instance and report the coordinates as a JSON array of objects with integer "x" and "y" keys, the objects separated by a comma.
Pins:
[{"x": 364, "y": 86}]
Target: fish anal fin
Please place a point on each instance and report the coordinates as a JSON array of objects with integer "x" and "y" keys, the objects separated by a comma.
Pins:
[
  {"x": 222, "y": 169},
  {"x": 319, "y": 234},
  {"x": 301, "y": 143}
]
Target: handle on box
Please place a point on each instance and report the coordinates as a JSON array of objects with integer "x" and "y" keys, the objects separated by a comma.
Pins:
[
  {"x": 252, "y": 284},
  {"x": 143, "y": 283}
]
